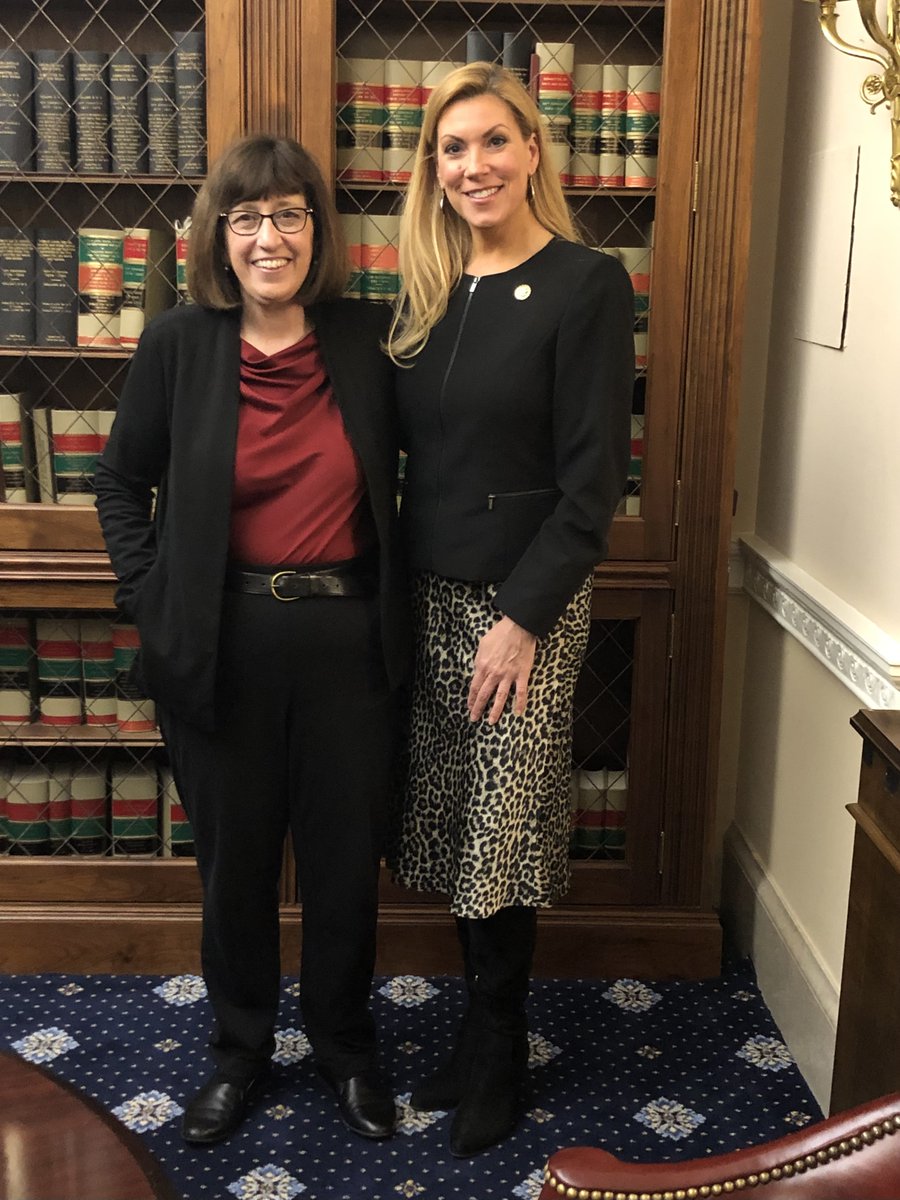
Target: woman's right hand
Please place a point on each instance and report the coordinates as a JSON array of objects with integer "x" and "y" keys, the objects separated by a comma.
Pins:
[{"x": 503, "y": 664}]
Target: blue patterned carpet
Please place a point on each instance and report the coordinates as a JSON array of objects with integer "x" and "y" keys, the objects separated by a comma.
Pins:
[{"x": 648, "y": 1071}]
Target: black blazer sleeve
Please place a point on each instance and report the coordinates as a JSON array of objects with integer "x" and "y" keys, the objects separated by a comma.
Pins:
[
  {"x": 594, "y": 380},
  {"x": 132, "y": 464}
]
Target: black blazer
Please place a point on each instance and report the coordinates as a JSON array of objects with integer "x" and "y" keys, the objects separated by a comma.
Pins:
[
  {"x": 516, "y": 417},
  {"x": 176, "y": 428}
]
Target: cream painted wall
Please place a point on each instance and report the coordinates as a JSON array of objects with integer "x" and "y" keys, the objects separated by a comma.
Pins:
[
  {"x": 798, "y": 767},
  {"x": 817, "y": 443},
  {"x": 829, "y": 491}
]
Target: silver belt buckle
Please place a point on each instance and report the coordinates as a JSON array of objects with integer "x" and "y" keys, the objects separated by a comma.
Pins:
[{"x": 273, "y": 586}]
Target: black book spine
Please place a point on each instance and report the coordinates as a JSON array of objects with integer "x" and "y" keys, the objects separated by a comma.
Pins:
[
  {"x": 161, "y": 113},
  {"x": 56, "y": 287},
  {"x": 190, "y": 100},
  {"x": 517, "y": 51},
  {"x": 128, "y": 112},
  {"x": 53, "y": 110},
  {"x": 483, "y": 46},
  {"x": 16, "y": 110},
  {"x": 16, "y": 287},
  {"x": 91, "y": 107}
]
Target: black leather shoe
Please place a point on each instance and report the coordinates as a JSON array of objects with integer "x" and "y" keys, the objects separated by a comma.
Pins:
[
  {"x": 365, "y": 1104},
  {"x": 218, "y": 1109}
]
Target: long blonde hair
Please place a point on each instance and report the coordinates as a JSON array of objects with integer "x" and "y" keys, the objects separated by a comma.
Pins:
[{"x": 435, "y": 243}]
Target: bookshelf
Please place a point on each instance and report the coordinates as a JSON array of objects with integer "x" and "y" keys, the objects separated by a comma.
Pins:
[
  {"x": 648, "y": 700},
  {"x": 90, "y": 910}
]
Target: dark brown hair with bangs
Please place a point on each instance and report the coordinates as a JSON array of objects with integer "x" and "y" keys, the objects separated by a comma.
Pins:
[{"x": 257, "y": 167}]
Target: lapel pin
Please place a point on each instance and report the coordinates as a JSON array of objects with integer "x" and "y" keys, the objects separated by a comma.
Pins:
[{"x": 522, "y": 292}]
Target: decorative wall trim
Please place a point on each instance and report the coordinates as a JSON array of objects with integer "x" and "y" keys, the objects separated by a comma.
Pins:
[
  {"x": 735, "y": 567},
  {"x": 853, "y": 648},
  {"x": 796, "y": 986}
]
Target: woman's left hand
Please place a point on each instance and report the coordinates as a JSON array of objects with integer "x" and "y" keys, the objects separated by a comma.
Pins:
[{"x": 503, "y": 661}]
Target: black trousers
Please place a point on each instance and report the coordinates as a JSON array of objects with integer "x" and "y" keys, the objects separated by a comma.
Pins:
[{"x": 303, "y": 742}]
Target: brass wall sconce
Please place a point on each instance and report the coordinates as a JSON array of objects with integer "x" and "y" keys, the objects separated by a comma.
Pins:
[{"x": 877, "y": 89}]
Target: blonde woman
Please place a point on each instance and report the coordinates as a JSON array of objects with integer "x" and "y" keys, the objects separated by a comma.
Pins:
[{"x": 515, "y": 395}]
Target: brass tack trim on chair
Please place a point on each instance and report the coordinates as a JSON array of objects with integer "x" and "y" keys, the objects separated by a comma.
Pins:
[{"x": 796, "y": 1166}]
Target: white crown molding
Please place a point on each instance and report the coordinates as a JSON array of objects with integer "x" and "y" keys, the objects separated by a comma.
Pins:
[{"x": 852, "y": 647}]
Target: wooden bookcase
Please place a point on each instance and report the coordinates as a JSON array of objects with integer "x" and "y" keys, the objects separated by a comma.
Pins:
[{"x": 647, "y": 910}]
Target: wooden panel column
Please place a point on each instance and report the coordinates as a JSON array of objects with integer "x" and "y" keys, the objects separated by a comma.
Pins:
[
  {"x": 225, "y": 92},
  {"x": 317, "y": 59},
  {"x": 272, "y": 40},
  {"x": 726, "y": 142},
  {"x": 254, "y": 69}
]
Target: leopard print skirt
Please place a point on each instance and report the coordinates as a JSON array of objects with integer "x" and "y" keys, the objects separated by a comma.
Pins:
[{"x": 486, "y": 810}]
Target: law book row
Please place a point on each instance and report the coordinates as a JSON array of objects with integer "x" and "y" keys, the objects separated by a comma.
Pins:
[
  {"x": 68, "y": 673},
  {"x": 99, "y": 808},
  {"x": 49, "y": 454},
  {"x": 89, "y": 287},
  {"x": 372, "y": 240},
  {"x": 601, "y": 119},
  {"x": 598, "y": 803},
  {"x": 88, "y": 808},
  {"x": 94, "y": 113}
]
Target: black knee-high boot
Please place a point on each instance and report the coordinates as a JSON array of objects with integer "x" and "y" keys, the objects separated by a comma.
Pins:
[
  {"x": 444, "y": 1088},
  {"x": 501, "y": 948}
]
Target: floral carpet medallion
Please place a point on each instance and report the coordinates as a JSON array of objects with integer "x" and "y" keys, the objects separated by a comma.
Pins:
[
  {"x": 631, "y": 995},
  {"x": 266, "y": 1183},
  {"x": 669, "y": 1119},
  {"x": 411, "y": 1120},
  {"x": 291, "y": 1046},
  {"x": 182, "y": 989},
  {"x": 43, "y": 1045},
  {"x": 408, "y": 990},
  {"x": 767, "y": 1053},
  {"x": 147, "y": 1110}
]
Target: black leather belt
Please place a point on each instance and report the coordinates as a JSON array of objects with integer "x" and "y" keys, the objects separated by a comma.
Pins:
[{"x": 298, "y": 585}]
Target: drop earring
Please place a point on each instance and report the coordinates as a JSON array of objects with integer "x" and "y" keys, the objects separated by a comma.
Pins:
[
  {"x": 441, "y": 201},
  {"x": 531, "y": 188}
]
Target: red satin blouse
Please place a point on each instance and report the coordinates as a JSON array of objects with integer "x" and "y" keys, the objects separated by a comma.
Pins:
[{"x": 299, "y": 493}]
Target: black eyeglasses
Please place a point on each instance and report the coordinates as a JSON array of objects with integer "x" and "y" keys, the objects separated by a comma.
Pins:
[{"x": 245, "y": 222}]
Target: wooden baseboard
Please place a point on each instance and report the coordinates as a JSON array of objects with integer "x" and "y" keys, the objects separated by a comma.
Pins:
[
  {"x": 572, "y": 944},
  {"x": 165, "y": 939}
]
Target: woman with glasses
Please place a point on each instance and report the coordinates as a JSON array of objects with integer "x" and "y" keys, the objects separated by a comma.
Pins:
[{"x": 265, "y": 585}]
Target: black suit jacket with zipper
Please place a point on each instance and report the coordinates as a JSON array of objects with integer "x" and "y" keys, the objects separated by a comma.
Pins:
[
  {"x": 176, "y": 429},
  {"x": 516, "y": 417}
]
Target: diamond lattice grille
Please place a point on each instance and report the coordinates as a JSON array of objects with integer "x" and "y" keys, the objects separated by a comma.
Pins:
[{"x": 600, "y": 751}]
